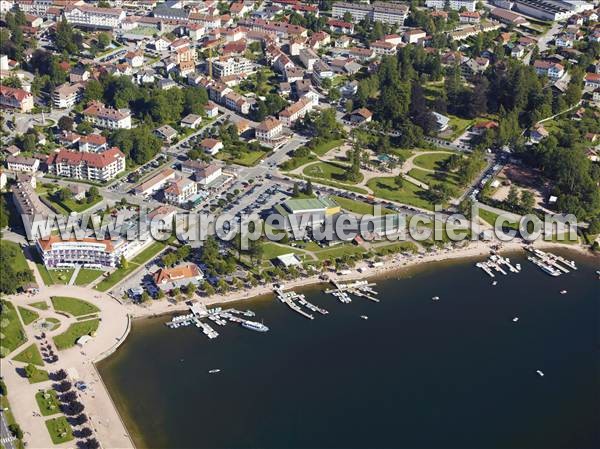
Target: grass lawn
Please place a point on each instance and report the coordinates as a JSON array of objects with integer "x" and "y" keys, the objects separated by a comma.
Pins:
[
  {"x": 28, "y": 316},
  {"x": 59, "y": 429},
  {"x": 247, "y": 159},
  {"x": 458, "y": 125},
  {"x": 120, "y": 273},
  {"x": 395, "y": 247},
  {"x": 52, "y": 277},
  {"x": 19, "y": 263},
  {"x": 343, "y": 249},
  {"x": 31, "y": 354},
  {"x": 42, "y": 305},
  {"x": 431, "y": 161},
  {"x": 324, "y": 147},
  {"x": 271, "y": 251},
  {"x": 73, "y": 306},
  {"x": 54, "y": 321},
  {"x": 433, "y": 89},
  {"x": 87, "y": 275},
  {"x": 329, "y": 170},
  {"x": 39, "y": 375},
  {"x": 359, "y": 207},
  {"x": 13, "y": 335},
  {"x": 47, "y": 402},
  {"x": 410, "y": 194},
  {"x": 337, "y": 185},
  {"x": 430, "y": 178},
  {"x": 295, "y": 162},
  {"x": 68, "y": 338},
  {"x": 490, "y": 217}
]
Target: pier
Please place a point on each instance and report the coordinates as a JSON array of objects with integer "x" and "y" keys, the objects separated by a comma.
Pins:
[
  {"x": 551, "y": 264},
  {"x": 290, "y": 298},
  {"x": 361, "y": 289},
  {"x": 218, "y": 316},
  {"x": 497, "y": 263}
]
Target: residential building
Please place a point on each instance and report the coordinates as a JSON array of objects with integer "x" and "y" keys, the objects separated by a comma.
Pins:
[
  {"x": 232, "y": 66},
  {"x": 339, "y": 26},
  {"x": 413, "y": 36},
  {"x": 102, "y": 166},
  {"x": 180, "y": 191},
  {"x": 211, "y": 110},
  {"x": 308, "y": 58},
  {"x": 166, "y": 132},
  {"x": 92, "y": 143},
  {"x": 135, "y": 58},
  {"x": 211, "y": 146},
  {"x": 592, "y": 80},
  {"x": 29, "y": 206},
  {"x": 22, "y": 164},
  {"x": 191, "y": 121},
  {"x": 269, "y": 130},
  {"x": 67, "y": 95},
  {"x": 107, "y": 117},
  {"x": 203, "y": 173},
  {"x": 457, "y": 5},
  {"x": 295, "y": 111},
  {"x": 393, "y": 13},
  {"x": 361, "y": 115},
  {"x": 551, "y": 69},
  {"x": 11, "y": 97},
  {"x": 469, "y": 17},
  {"x": 79, "y": 74},
  {"x": 86, "y": 16},
  {"x": 237, "y": 102},
  {"x": 181, "y": 276}
]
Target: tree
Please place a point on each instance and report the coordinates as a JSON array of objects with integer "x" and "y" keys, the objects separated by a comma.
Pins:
[
  {"x": 399, "y": 181},
  {"x": 145, "y": 297},
  {"x": 296, "y": 190},
  {"x": 30, "y": 370},
  {"x": 85, "y": 128},
  {"x": 326, "y": 83},
  {"x": 309, "y": 188},
  {"x": 103, "y": 40},
  {"x": 527, "y": 201},
  {"x": 93, "y": 91},
  {"x": 123, "y": 263},
  {"x": 92, "y": 194},
  {"x": 512, "y": 199},
  {"x": 16, "y": 431},
  {"x": 66, "y": 123}
]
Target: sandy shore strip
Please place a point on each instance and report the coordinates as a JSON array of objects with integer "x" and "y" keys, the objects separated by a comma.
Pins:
[{"x": 391, "y": 264}]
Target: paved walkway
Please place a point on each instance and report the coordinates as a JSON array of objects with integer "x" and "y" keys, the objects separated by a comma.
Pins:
[{"x": 114, "y": 326}]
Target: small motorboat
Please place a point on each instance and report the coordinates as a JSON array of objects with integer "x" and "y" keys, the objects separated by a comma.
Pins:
[
  {"x": 214, "y": 371},
  {"x": 515, "y": 319},
  {"x": 436, "y": 298},
  {"x": 364, "y": 317},
  {"x": 540, "y": 373},
  {"x": 495, "y": 283},
  {"x": 563, "y": 292}
]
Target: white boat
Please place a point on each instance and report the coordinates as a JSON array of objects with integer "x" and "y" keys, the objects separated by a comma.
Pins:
[
  {"x": 364, "y": 317},
  {"x": 214, "y": 371},
  {"x": 563, "y": 292},
  {"x": 515, "y": 319},
  {"x": 436, "y": 298},
  {"x": 540, "y": 373},
  {"x": 253, "y": 325},
  {"x": 495, "y": 283}
]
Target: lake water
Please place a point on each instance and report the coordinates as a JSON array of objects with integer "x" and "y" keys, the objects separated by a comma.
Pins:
[{"x": 453, "y": 373}]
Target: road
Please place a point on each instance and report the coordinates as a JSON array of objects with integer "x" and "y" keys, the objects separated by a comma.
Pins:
[{"x": 6, "y": 438}]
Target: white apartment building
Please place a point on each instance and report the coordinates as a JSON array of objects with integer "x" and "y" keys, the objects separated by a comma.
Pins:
[
  {"x": 295, "y": 111},
  {"x": 552, "y": 70},
  {"x": 469, "y": 5},
  {"x": 67, "y": 95},
  {"x": 395, "y": 13},
  {"x": 22, "y": 164},
  {"x": 91, "y": 17},
  {"x": 102, "y": 166},
  {"x": 232, "y": 66},
  {"x": 269, "y": 130},
  {"x": 12, "y": 97},
  {"x": 180, "y": 191},
  {"x": 107, "y": 117},
  {"x": 202, "y": 172},
  {"x": 308, "y": 58}
]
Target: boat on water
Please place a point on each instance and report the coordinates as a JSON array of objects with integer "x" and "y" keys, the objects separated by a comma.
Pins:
[
  {"x": 364, "y": 317},
  {"x": 436, "y": 298},
  {"x": 214, "y": 371},
  {"x": 563, "y": 292},
  {"x": 515, "y": 319},
  {"x": 540, "y": 373},
  {"x": 253, "y": 325},
  {"x": 495, "y": 283}
]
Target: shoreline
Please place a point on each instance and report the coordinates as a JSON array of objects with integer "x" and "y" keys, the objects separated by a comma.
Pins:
[
  {"x": 393, "y": 264},
  {"x": 394, "y": 267}
]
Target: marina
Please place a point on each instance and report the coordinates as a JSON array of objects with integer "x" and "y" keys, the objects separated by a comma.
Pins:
[
  {"x": 498, "y": 264},
  {"x": 218, "y": 316},
  {"x": 549, "y": 263}
]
